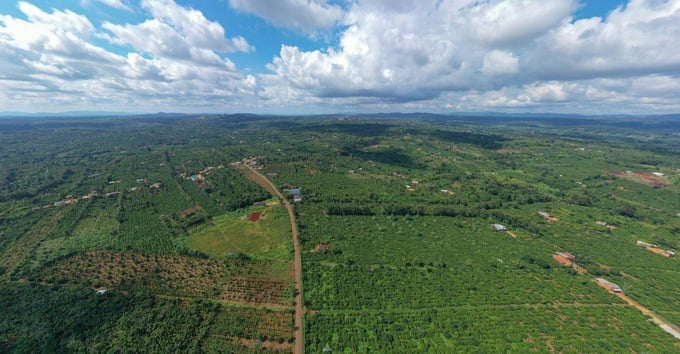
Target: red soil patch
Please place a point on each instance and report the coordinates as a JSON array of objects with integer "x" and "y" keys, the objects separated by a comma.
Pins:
[
  {"x": 561, "y": 260},
  {"x": 255, "y": 216},
  {"x": 647, "y": 179}
]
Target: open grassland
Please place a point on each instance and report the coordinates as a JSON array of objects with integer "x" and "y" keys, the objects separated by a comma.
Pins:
[{"x": 261, "y": 232}]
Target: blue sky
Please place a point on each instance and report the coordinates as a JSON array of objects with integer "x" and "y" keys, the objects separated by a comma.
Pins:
[{"x": 321, "y": 56}]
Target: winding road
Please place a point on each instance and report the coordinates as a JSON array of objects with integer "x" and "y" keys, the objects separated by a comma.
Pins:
[{"x": 297, "y": 258}]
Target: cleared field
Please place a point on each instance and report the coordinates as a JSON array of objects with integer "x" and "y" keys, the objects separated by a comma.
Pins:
[{"x": 266, "y": 236}]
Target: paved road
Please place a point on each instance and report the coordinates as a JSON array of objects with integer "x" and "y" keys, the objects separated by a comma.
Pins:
[{"x": 299, "y": 305}]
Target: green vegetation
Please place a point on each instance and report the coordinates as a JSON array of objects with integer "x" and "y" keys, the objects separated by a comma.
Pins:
[
  {"x": 263, "y": 232},
  {"x": 399, "y": 252}
]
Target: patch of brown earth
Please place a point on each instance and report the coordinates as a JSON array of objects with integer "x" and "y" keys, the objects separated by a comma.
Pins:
[
  {"x": 658, "y": 251},
  {"x": 561, "y": 260},
  {"x": 645, "y": 178},
  {"x": 255, "y": 216}
]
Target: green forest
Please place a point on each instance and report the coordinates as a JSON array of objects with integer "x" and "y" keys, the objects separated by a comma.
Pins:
[{"x": 418, "y": 233}]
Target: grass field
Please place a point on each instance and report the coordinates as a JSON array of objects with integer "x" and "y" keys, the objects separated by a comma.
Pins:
[{"x": 236, "y": 232}]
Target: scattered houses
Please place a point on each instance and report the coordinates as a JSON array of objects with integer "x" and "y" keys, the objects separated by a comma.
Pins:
[
  {"x": 608, "y": 285},
  {"x": 605, "y": 224},
  {"x": 547, "y": 216},
  {"x": 67, "y": 201},
  {"x": 645, "y": 244},
  {"x": 499, "y": 227},
  {"x": 564, "y": 258},
  {"x": 566, "y": 255},
  {"x": 296, "y": 193},
  {"x": 656, "y": 249},
  {"x": 322, "y": 247}
]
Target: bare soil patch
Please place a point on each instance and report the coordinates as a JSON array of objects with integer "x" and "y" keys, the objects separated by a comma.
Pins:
[
  {"x": 658, "y": 251},
  {"x": 645, "y": 178},
  {"x": 561, "y": 260},
  {"x": 255, "y": 216}
]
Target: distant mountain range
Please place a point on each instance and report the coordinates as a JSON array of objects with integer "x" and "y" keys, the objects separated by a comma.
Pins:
[{"x": 525, "y": 115}]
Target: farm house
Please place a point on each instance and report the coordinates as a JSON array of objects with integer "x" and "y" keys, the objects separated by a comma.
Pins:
[
  {"x": 566, "y": 255},
  {"x": 608, "y": 285},
  {"x": 499, "y": 227}
]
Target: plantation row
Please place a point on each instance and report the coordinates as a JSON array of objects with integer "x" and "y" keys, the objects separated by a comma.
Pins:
[
  {"x": 356, "y": 287},
  {"x": 518, "y": 329}
]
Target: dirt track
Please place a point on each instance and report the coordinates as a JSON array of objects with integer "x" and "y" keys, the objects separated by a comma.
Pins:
[
  {"x": 297, "y": 261},
  {"x": 666, "y": 326}
]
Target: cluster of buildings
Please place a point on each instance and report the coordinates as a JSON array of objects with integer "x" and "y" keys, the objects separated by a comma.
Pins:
[
  {"x": 70, "y": 199},
  {"x": 200, "y": 175},
  {"x": 251, "y": 162}
]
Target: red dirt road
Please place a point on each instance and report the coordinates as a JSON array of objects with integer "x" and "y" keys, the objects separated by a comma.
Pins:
[{"x": 297, "y": 261}]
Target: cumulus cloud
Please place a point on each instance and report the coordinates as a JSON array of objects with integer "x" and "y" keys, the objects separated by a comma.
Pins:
[
  {"x": 632, "y": 40},
  {"x": 432, "y": 55},
  {"x": 489, "y": 53},
  {"x": 175, "y": 59},
  {"x": 498, "y": 62},
  {"x": 308, "y": 16},
  {"x": 118, "y": 4},
  {"x": 174, "y": 31},
  {"x": 494, "y": 22}
]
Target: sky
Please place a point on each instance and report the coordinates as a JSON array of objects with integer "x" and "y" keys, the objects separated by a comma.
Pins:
[{"x": 331, "y": 56}]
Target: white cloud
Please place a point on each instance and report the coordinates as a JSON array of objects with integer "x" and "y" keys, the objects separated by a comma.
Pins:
[
  {"x": 175, "y": 62},
  {"x": 498, "y": 62},
  {"x": 118, "y": 4},
  {"x": 427, "y": 55},
  {"x": 177, "y": 32},
  {"x": 632, "y": 40},
  {"x": 503, "y": 22},
  {"x": 308, "y": 16},
  {"x": 515, "y": 53}
]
